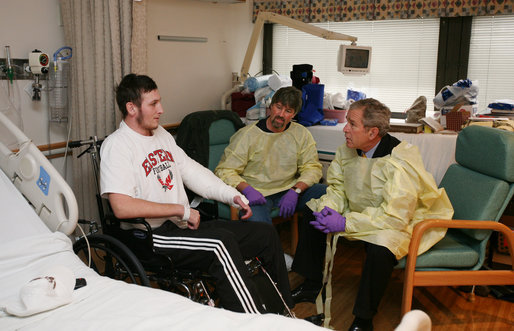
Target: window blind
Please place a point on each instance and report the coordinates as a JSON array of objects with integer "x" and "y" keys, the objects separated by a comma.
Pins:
[
  {"x": 403, "y": 64},
  {"x": 491, "y": 61}
]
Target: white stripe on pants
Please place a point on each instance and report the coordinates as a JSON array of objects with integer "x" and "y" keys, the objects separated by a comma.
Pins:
[{"x": 218, "y": 248}]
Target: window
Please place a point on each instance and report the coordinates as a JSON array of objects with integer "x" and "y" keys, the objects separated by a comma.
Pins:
[
  {"x": 490, "y": 58},
  {"x": 403, "y": 64}
]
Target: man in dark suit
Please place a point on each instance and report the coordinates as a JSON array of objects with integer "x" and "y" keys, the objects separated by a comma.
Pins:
[{"x": 378, "y": 190}]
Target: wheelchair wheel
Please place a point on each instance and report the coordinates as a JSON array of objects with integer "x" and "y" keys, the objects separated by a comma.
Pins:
[{"x": 111, "y": 258}]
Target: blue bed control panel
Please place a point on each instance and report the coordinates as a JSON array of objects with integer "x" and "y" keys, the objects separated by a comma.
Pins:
[{"x": 43, "y": 181}]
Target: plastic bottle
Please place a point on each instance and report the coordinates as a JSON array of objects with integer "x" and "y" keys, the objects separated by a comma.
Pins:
[{"x": 58, "y": 82}]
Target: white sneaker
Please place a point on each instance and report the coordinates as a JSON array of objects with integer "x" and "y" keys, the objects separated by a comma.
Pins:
[{"x": 289, "y": 261}]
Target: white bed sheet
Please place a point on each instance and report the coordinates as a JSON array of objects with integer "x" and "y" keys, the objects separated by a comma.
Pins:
[
  {"x": 28, "y": 247},
  {"x": 106, "y": 304},
  {"x": 437, "y": 150}
]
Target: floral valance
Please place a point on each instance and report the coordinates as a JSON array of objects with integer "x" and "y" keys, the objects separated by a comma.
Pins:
[{"x": 312, "y": 11}]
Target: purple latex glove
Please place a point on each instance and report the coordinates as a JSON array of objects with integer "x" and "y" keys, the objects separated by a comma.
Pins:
[
  {"x": 254, "y": 197},
  {"x": 329, "y": 220},
  {"x": 288, "y": 203}
]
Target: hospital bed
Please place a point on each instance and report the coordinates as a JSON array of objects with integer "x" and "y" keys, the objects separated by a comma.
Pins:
[{"x": 33, "y": 239}]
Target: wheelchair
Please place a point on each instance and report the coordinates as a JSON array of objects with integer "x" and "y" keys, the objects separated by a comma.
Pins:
[{"x": 128, "y": 255}]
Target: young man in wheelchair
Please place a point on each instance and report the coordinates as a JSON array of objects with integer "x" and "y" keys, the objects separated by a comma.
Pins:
[{"x": 143, "y": 173}]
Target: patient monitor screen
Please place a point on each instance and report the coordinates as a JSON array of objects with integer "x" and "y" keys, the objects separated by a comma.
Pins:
[{"x": 356, "y": 58}]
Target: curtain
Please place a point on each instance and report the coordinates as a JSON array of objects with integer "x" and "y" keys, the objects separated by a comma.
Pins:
[
  {"x": 99, "y": 32},
  {"x": 317, "y": 11},
  {"x": 139, "y": 37}
]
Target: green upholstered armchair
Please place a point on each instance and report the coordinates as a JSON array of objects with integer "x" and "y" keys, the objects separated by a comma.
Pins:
[{"x": 479, "y": 186}]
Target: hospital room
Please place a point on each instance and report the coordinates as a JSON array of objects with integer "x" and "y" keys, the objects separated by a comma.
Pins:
[{"x": 214, "y": 98}]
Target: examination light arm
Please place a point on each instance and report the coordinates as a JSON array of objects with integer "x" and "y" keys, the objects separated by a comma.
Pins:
[{"x": 295, "y": 24}]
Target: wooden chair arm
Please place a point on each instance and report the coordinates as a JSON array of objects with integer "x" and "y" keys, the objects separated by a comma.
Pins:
[
  {"x": 234, "y": 213},
  {"x": 423, "y": 226},
  {"x": 454, "y": 277}
]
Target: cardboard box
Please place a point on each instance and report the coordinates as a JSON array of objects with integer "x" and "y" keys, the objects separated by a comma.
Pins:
[
  {"x": 472, "y": 109},
  {"x": 455, "y": 120},
  {"x": 456, "y": 123}
]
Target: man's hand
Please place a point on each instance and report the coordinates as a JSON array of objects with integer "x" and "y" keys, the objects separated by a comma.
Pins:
[
  {"x": 247, "y": 210},
  {"x": 328, "y": 221},
  {"x": 254, "y": 197},
  {"x": 194, "y": 219},
  {"x": 288, "y": 203}
]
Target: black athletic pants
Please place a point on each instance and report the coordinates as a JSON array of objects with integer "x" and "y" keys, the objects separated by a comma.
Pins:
[
  {"x": 220, "y": 248},
  {"x": 376, "y": 272}
]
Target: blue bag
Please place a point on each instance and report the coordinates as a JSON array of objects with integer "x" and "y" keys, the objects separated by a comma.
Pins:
[
  {"x": 312, "y": 104},
  {"x": 355, "y": 95}
]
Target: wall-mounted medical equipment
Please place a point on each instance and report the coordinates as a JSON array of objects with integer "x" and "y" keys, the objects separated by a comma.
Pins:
[
  {"x": 9, "y": 92},
  {"x": 9, "y": 70},
  {"x": 58, "y": 83},
  {"x": 12, "y": 69},
  {"x": 353, "y": 59},
  {"x": 39, "y": 63}
]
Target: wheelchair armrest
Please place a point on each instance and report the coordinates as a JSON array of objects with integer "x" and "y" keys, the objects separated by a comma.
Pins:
[
  {"x": 139, "y": 220},
  {"x": 111, "y": 219},
  {"x": 141, "y": 245}
]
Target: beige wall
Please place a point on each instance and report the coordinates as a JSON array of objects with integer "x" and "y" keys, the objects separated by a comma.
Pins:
[
  {"x": 193, "y": 76},
  {"x": 26, "y": 25}
]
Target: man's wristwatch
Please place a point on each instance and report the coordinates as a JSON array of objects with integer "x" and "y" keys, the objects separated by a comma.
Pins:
[{"x": 296, "y": 189}]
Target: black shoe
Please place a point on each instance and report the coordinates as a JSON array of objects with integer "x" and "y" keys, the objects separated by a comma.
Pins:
[
  {"x": 316, "y": 319},
  {"x": 360, "y": 324},
  {"x": 303, "y": 294}
]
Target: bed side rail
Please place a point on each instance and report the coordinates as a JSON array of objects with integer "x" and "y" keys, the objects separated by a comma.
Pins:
[{"x": 39, "y": 182}]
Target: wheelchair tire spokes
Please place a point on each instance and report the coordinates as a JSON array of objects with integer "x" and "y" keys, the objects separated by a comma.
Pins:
[{"x": 111, "y": 258}]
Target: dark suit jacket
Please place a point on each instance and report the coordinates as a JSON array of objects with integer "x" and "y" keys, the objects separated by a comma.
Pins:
[{"x": 385, "y": 146}]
